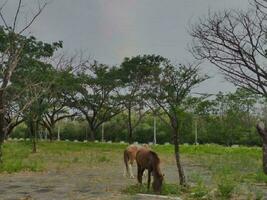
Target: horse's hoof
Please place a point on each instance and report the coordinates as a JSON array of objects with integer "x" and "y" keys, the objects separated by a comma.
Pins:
[{"x": 131, "y": 176}]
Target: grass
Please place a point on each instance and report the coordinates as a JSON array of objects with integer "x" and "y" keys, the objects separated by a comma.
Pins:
[
  {"x": 17, "y": 156},
  {"x": 167, "y": 189},
  {"x": 213, "y": 171}
]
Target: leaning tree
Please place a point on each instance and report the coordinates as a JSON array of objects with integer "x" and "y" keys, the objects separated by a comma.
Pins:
[
  {"x": 169, "y": 91},
  {"x": 36, "y": 79},
  {"x": 235, "y": 42}
]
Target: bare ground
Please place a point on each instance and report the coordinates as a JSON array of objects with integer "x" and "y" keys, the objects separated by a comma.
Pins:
[{"x": 104, "y": 181}]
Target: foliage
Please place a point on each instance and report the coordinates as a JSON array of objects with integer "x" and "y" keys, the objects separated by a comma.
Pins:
[
  {"x": 226, "y": 187},
  {"x": 95, "y": 95},
  {"x": 167, "y": 189},
  {"x": 135, "y": 74}
]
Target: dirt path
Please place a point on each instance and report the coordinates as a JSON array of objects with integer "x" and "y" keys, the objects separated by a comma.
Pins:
[
  {"x": 73, "y": 184},
  {"x": 79, "y": 183},
  {"x": 69, "y": 184}
]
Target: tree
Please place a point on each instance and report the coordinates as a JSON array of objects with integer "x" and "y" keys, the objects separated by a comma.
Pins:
[
  {"x": 134, "y": 73},
  {"x": 234, "y": 114},
  {"x": 94, "y": 95},
  {"x": 36, "y": 79},
  {"x": 15, "y": 46},
  {"x": 57, "y": 105},
  {"x": 13, "y": 118},
  {"x": 169, "y": 91},
  {"x": 263, "y": 133},
  {"x": 235, "y": 42}
]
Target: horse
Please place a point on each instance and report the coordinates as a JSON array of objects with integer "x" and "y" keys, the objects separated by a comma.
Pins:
[
  {"x": 147, "y": 159},
  {"x": 129, "y": 158}
]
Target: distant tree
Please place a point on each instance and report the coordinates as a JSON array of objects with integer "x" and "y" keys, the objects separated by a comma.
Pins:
[
  {"x": 95, "y": 95},
  {"x": 235, "y": 114},
  {"x": 35, "y": 78},
  {"x": 57, "y": 105},
  {"x": 134, "y": 73}
]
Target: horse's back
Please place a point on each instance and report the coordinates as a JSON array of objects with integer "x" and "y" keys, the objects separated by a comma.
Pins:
[
  {"x": 133, "y": 148},
  {"x": 146, "y": 158}
]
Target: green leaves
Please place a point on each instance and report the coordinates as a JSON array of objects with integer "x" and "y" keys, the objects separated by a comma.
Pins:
[{"x": 174, "y": 84}]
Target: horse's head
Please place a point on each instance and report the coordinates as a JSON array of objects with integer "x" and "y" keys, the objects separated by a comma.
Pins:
[{"x": 157, "y": 184}]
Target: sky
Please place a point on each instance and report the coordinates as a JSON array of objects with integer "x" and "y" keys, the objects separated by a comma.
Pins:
[{"x": 109, "y": 30}]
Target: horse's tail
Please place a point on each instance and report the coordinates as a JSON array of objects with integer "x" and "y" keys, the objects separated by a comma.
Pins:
[{"x": 126, "y": 159}]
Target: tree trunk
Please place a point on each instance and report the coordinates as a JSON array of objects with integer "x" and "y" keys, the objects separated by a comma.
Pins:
[
  {"x": 130, "y": 128},
  {"x": 51, "y": 131},
  {"x": 50, "y": 135},
  {"x": 177, "y": 152},
  {"x": 177, "y": 157},
  {"x": 34, "y": 145},
  {"x": 263, "y": 134},
  {"x": 9, "y": 131},
  {"x": 33, "y": 135},
  {"x": 2, "y": 124},
  {"x": 92, "y": 134}
]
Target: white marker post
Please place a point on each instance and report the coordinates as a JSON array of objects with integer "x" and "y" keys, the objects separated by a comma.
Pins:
[
  {"x": 155, "y": 131},
  {"x": 58, "y": 133},
  {"x": 103, "y": 132},
  {"x": 196, "y": 136}
]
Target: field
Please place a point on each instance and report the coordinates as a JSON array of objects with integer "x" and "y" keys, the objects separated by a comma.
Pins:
[{"x": 68, "y": 170}]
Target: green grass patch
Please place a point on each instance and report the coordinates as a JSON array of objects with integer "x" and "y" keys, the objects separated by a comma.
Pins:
[
  {"x": 18, "y": 156},
  {"x": 167, "y": 189}
]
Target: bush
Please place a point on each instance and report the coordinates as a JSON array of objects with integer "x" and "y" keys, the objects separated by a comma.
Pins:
[{"x": 226, "y": 187}]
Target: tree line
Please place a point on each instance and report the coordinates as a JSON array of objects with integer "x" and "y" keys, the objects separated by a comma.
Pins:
[{"x": 226, "y": 118}]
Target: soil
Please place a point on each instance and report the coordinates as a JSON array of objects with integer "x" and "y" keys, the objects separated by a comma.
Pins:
[{"x": 104, "y": 181}]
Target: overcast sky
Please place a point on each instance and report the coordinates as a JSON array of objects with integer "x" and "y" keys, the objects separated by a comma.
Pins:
[{"x": 109, "y": 30}]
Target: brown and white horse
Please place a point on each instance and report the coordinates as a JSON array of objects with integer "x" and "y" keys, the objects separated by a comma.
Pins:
[
  {"x": 147, "y": 159},
  {"x": 130, "y": 156}
]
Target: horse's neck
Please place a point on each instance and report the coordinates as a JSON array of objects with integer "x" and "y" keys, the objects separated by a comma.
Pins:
[{"x": 156, "y": 169}]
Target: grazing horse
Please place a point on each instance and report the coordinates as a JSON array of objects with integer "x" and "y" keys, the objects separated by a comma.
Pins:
[
  {"x": 147, "y": 159},
  {"x": 129, "y": 157}
]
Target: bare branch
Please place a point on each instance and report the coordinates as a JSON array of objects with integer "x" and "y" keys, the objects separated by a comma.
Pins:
[
  {"x": 235, "y": 42},
  {"x": 1, "y": 14},
  {"x": 16, "y": 16},
  {"x": 40, "y": 9}
]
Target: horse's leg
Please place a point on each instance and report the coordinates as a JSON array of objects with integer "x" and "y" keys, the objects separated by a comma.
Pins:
[
  {"x": 139, "y": 174},
  {"x": 131, "y": 170},
  {"x": 148, "y": 179},
  {"x": 145, "y": 173},
  {"x": 124, "y": 172},
  {"x": 131, "y": 161},
  {"x": 126, "y": 163}
]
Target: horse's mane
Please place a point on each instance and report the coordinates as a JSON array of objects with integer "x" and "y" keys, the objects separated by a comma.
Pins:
[
  {"x": 156, "y": 161},
  {"x": 155, "y": 156}
]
